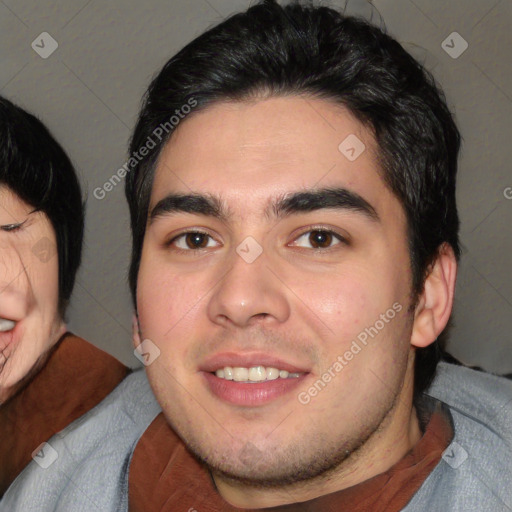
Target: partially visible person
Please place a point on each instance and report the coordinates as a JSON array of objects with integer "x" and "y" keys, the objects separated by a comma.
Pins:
[{"x": 48, "y": 376}]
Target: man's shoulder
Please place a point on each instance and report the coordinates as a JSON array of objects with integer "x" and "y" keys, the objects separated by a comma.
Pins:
[
  {"x": 482, "y": 398},
  {"x": 128, "y": 406},
  {"x": 84, "y": 467},
  {"x": 475, "y": 470}
]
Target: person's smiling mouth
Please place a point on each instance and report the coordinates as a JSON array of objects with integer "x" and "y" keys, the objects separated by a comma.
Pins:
[{"x": 251, "y": 379}]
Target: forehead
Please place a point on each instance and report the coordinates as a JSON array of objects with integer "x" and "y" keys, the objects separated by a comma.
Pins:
[
  {"x": 11, "y": 205},
  {"x": 248, "y": 152}
]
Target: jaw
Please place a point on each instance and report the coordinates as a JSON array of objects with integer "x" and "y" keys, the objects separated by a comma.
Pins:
[{"x": 260, "y": 456}]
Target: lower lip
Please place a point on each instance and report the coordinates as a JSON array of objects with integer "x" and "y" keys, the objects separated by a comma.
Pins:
[{"x": 251, "y": 394}]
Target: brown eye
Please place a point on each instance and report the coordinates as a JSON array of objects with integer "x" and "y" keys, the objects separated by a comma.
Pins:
[
  {"x": 196, "y": 240},
  {"x": 319, "y": 239},
  {"x": 192, "y": 240}
]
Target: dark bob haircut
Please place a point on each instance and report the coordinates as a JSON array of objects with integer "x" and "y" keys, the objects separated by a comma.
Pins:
[
  {"x": 35, "y": 167},
  {"x": 302, "y": 49}
]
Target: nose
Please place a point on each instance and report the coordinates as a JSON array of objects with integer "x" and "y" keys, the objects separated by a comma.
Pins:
[{"x": 249, "y": 293}]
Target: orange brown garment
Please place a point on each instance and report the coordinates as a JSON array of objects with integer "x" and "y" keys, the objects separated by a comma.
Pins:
[
  {"x": 75, "y": 378},
  {"x": 164, "y": 474}
]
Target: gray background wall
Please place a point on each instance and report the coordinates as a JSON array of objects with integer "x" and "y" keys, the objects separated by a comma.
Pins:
[{"x": 88, "y": 92}]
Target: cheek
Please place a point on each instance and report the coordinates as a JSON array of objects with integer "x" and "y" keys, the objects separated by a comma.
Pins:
[
  {"x": 166, "y": 302},
  {"x": 32, "y": 272},
  {"x": 349, "y": 299},
  {"x": 41, "y": 261},
  {"x": 44, "y": 280},
  {"x": 167, "y": 306},
  {"x": 365, "y": 311}
]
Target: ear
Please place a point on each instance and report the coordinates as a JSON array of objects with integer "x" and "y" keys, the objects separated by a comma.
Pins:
[
  {"x": 135, "y": 330},
  {"x": 436, "y": 301}
]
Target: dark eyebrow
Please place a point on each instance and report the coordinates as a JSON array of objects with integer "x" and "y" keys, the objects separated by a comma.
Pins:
[
  {"x": 335, "y": 198},
  {"x": 279, "y": 208},
  {"x": 208, "y": 205}
]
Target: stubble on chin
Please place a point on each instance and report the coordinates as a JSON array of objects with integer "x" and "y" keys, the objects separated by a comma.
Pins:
[{"x": 310, "y": 459}]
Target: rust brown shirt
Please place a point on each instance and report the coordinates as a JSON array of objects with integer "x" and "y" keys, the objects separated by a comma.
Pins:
[{"x": 75, "y": 378}]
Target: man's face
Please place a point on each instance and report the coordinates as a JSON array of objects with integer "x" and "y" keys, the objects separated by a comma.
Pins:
[
  {"x": 29, "y": 319},
  {"x": 293, "y": 297}
]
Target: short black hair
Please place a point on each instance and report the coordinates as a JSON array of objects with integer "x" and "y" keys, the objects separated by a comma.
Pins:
[
  {"x": 302, "y": 49},
  {"x": 34, "y": 166}
]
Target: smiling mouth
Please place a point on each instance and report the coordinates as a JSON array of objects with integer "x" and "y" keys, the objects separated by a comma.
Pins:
[
  {"x": 250, "y": 378},
  {"x": 6, "y": 325},
  {"x": 254, "y": 374},
  {"x": 252, "y": 386}
]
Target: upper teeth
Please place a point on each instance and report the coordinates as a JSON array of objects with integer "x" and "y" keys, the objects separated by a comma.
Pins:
[
  {"x": 6, "y": 325},
  {"x": 253, "y": 374}
]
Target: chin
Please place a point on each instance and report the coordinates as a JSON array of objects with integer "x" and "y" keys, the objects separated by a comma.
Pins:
[
  {"x": 248, "y": 467},
  {"x": 273, "y": 466}
]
